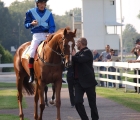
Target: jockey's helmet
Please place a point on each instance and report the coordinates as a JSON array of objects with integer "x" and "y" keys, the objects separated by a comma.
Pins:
[{"x": 40, "y": 1}]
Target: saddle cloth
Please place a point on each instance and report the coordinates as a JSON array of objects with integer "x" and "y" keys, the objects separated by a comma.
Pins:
[{"x": 26, "y": 53}]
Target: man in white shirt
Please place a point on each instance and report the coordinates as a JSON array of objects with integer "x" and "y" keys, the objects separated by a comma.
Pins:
[
  {"x": 103, "y": 58},
  {"x": 135, "y": 61}
]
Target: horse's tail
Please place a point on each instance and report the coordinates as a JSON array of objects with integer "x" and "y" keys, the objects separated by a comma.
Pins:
[{"x": 28, "y": 87}]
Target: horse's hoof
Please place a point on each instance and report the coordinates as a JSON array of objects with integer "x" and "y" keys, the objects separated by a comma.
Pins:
[
  {"x": 47, "y": 104},
  {"x": 21, "y": 116},
  {"x": 52, "y": 102}
]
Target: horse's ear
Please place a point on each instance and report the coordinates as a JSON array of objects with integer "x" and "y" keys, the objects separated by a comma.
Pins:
[
  {"x": 75, "y": 32},
  {"x": 65, "y": 32}
]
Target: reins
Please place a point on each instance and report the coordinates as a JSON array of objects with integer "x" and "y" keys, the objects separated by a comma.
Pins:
[
  {"x": 48, "y": 63},
  {"x": 61, "y": 54}
]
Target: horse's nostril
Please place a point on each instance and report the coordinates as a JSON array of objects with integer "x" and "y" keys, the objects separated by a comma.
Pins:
[{"x": 67, "y": 64}]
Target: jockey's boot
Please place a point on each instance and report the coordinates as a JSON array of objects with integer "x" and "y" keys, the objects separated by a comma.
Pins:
[{"x": 31, "y": 62}]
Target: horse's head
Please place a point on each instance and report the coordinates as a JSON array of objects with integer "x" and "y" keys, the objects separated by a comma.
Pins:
[{"x": 68, "y": 45}]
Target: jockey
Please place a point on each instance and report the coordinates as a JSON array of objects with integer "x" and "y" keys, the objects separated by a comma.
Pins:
[{"x": 41, "y": 22}]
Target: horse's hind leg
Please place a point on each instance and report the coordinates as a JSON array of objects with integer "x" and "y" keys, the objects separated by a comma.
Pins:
[
  {"x": 36, "y": 98},
  {"x": 52, "y": 101},
  {"x": 58, "y": 101},
  {"x": 19, "y": 81},
  {"x": 53, "y": 89}
]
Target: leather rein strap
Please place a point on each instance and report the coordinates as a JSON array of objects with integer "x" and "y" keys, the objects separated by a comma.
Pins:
[
  {"x": 49, "y": 64},
  {"x": 52, "y": 64}
]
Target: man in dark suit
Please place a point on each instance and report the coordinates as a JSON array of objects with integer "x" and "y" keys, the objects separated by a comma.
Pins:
[
  {"x": 71, "y": 88},
  {"x": 84, "y": 80}
]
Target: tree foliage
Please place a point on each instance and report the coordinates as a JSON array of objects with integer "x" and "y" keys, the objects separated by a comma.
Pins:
[
  {"x": 6, "y": 55},
  {"x": 5, "y": 23},
  {"x": 129, "y": 37},
  {"x": 138, "y": 15},
  {"x": 13, "y": 32}
]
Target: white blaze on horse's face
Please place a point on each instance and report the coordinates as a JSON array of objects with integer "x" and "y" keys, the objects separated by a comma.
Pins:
[{"x": 70, "y": 44}]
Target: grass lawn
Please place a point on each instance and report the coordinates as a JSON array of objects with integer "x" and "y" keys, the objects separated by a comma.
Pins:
[
  {"x": 8, "y": 99},
  {"x": 7, "y": 85},
  {"x": 8, "y": 96},
  {"x": 10, "y": 117},
  {"x": 129, "y": 99}
]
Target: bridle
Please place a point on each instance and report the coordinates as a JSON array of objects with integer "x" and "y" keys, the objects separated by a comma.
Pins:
[{"x": 60, "y": 54}]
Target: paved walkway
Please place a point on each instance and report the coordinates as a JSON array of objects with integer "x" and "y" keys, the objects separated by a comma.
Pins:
[{"x": 108, "y": 110}]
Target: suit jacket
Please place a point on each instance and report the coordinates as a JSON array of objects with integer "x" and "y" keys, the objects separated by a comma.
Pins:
[
  {"x": 83, "y": 60},
  {"x": 70, "y": 72}
]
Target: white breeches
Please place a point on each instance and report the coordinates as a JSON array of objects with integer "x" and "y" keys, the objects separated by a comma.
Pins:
[{"x": 36, "y": 39}]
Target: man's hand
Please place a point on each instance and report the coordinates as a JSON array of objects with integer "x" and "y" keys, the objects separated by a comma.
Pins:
[
  {"x": 137, "y": 46},
  {"x": 73, "y": 52},
  {"x": 48, "y": 34},
  {"x": 34, "y": 22}
]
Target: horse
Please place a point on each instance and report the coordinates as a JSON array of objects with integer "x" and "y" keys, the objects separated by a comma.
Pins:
[
  {"x": 52, "y": 100},
  {"x": 47, "y": 69}
]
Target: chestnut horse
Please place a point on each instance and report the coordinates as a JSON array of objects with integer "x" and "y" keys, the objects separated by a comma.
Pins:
[{"x": 47, "y": 68}]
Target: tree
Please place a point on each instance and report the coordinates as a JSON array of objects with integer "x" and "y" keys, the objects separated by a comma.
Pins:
[
  {"x": 129, "y": 36},
  {"x": 13, "y": 32},
  {"x": 6, "y": 56},
  {"x": 138, "y": 15},
  {"x": 5, "y": 23}
]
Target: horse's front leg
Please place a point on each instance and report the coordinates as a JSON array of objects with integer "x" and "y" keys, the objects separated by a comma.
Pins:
[
  {"x": 42, "y": 102},
  {"x": 19, "y": 96},
  {"x": 36, "y": 98},
  {"x": 58, "y": 101},
  {"x": 46, "y": 98}
]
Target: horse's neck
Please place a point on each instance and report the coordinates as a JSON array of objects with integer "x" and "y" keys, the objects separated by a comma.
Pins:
[{"x": 51, "y": 50}]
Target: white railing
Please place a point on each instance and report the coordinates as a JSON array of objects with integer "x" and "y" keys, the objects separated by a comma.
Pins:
[
  {"x": 7, "y": 65},
  {"x": 10, "y": 65},
  {"x": 125, "y": 66}
]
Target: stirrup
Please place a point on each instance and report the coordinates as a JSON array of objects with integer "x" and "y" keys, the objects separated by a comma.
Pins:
[{"x": 31, "y": 79}]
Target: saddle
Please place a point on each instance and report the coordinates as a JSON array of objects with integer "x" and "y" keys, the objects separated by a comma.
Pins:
[{"x": 26, "y": 53}]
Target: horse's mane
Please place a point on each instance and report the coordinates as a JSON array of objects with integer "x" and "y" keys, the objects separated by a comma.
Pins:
[
  {"x": 50, "y": 37},
  {"x": 60, "y": 31}
]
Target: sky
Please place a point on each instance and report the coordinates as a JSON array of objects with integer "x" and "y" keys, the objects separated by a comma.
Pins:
[{"x": 130, "y": 9}]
